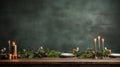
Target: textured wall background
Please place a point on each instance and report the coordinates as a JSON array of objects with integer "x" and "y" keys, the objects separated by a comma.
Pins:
[{"x": 59, "y": 24}]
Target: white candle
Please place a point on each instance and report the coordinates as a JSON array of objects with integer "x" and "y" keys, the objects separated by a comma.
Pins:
[
  {"x": 95, "y": 43},
  {"x": 9, "y": 45},
  {"x": 99, "y": 42},
  {"x": 103, "y": 43},
  {"x": 14, "y": 50},
  {"x": 10, "y": 56}
]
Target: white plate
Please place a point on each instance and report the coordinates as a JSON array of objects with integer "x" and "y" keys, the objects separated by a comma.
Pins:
[
  {"x": 115, "y": 54},
  {"x": 67, "y": 54}
]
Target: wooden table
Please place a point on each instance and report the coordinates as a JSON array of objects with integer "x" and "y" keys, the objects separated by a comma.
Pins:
[{"x": 61, "y": 62}]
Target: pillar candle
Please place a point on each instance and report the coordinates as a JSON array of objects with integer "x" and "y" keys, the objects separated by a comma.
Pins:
[
  {"x": 99, "y": 42},
  {"x": 14, "y": 50},
  {"x": 10, "y": 56}
]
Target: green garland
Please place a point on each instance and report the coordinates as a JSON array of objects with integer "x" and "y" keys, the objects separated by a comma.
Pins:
[
  {"x": 89, "y": 53},
  {"x": 39, "y": 54}
]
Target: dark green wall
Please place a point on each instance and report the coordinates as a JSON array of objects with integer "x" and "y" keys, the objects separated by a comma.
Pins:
[{"x": 59, "y": 24}]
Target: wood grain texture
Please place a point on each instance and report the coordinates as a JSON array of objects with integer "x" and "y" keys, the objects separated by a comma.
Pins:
[{"x": 61, "y": 62}]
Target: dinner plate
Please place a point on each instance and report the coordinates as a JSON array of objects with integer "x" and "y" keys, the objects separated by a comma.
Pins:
[
  {"x": 67, "y": 55},
  {"x": 115, "y": 54}
]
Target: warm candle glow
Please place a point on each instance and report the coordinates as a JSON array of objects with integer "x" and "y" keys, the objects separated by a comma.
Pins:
[
  {"x": 99, "y": 42},
  {"x": 8, "y": 41},
  {"x": 41, "y": 47},
  {"x": 13, "y": 43},
  {"x": 99, "y": 37},
  {"x": 102, "y": 39}
]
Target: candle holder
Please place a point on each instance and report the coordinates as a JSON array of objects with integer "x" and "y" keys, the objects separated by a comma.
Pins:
[
  {"x": 100, "y": 51},
  {"x": 99, "y": 54},
  {"x": 96, "y": 56}
]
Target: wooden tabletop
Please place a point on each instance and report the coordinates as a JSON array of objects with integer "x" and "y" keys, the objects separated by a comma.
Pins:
[{"x": 62, "y": 61}]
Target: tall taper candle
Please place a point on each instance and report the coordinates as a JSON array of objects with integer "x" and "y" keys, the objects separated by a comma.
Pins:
[
  {"x": 95, "y": 43},
  {"x": 99, "y": 42},
  {"x": 9, "y": 45},
  {"x": 15, "y": 50},
  {"x": 103, "y": 43}
]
